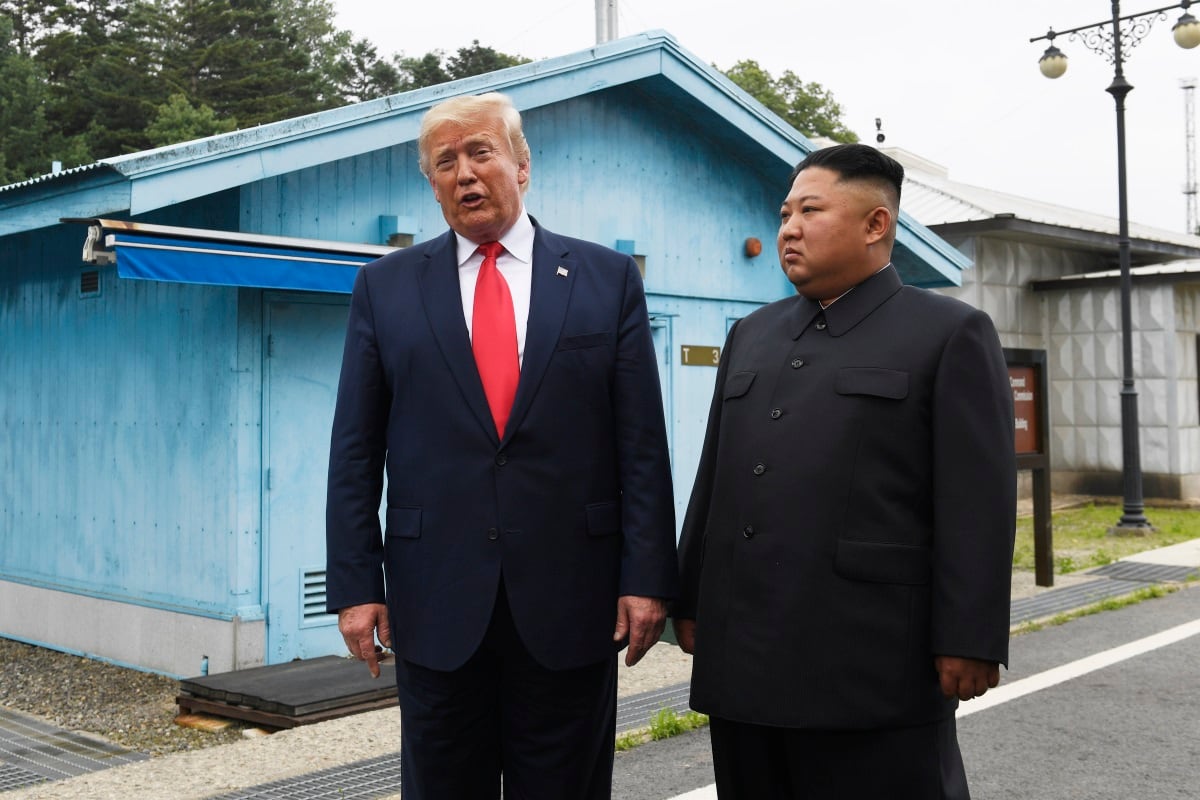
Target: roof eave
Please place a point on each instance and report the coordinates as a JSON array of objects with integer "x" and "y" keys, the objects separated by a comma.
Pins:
[{"x": 1142, "y": 250}]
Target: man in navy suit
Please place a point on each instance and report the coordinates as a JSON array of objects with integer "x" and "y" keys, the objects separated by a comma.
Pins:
[
  {"x": 529, "y": 536},
  {"x": 847, "y": 551}
]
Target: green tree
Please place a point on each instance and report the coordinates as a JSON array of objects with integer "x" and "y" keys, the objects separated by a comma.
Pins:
[
  {"x": 310, "y": 25},
  {"x": 28, "y": 144},
  {"x": 25, "y": 19},
  {"x": 360, "y": 74},
  {"x": 435, "y": 67},
  {"x": 100, "y": 66},
  {"x": 417, "y": 73},
  {"x": 478, "y": 60},
  {"x": 235, "y": 57},
  {"x": 807, "y": 107},
  {"x": 177, "y": 120}
]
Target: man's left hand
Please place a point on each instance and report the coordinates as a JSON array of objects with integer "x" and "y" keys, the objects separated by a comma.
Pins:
[
  {"x": 966, "y": 678},
  {"x": 641, "y": 620}
]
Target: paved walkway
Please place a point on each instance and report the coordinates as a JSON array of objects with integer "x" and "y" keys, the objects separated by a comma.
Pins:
[{"x": 356, "y": 757}]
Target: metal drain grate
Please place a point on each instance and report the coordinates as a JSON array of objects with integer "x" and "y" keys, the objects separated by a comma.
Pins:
[
  {"x": 29, "y": 745},
  {"x": 14, "y": 777},
  {"x": 1140, "y": 571},
  {"x": 636, "y": 710},
  {"x": 362, "y": 780},
  {"x": 1069, "y": 598}
]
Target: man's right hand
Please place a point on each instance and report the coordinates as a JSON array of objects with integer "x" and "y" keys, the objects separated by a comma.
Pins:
[
  {"x": 359, "y": 626},
  {"x": 685, "y": 634}
]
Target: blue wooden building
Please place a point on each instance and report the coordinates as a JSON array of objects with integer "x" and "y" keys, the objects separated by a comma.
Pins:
[{"x": 167, "y": 396}]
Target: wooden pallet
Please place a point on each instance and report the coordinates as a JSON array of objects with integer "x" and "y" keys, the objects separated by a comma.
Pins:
[{"x": 291, "y": 694}]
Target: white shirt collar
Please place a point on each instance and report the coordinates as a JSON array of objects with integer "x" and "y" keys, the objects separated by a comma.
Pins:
[{"x": 517, "y": 241}]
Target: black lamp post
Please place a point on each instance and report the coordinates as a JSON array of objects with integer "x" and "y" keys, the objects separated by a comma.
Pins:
[{"x": 1098, "y": 38}]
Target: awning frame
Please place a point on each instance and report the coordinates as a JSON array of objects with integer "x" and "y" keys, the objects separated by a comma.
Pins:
[{"x": 225, "y": 258}]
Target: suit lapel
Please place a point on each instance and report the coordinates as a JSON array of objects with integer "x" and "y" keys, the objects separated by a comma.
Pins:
[
  {"x": 442, "y": 296},
  {"x": 552, "y": 278}
]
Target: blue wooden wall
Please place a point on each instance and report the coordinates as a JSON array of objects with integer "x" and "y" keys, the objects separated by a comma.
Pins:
[{"x": 131, "y": 432}]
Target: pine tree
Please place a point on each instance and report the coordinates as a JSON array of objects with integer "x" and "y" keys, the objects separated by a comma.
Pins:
[{"x": 807, "y": 107}]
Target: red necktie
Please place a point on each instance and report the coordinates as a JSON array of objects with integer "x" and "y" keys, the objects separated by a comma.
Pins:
[{"x": 494, "y": 337}]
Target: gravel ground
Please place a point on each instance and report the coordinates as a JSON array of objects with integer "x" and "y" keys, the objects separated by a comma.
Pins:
[
  {"x": 133, "y": 709},
  {"x": 137, "y": 709}
]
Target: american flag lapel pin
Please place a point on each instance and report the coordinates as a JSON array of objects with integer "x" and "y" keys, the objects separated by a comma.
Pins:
[{"x": 562, "y": 272}]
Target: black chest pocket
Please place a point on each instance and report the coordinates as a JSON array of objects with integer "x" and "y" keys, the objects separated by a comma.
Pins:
[
  {"x": 872, "y": 381},
  {"x": 737, "y": 384}
]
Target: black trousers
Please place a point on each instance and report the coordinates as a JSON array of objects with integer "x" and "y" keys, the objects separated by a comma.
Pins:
[
  {"x": 503, "y": 720},
  {"x": 756, "y": 762}
]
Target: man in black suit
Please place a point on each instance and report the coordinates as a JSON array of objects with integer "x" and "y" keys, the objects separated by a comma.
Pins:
[
  {"x": 505, "y": 378},
  {"x": 847, "y": 551}
]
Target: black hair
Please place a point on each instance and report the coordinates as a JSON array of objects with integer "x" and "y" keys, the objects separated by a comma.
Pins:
[{"x": 855, "y": 162}]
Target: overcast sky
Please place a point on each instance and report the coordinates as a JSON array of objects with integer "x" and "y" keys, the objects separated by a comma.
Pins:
[{"x": 955, "y": 81}]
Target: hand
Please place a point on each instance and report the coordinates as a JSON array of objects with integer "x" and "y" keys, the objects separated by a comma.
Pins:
[
  {"x": 358, "y": 625},
  {"x": 685, "y": 634},
  {"x": 641, "y": 620},
  {"x": 966, "y": 678}
]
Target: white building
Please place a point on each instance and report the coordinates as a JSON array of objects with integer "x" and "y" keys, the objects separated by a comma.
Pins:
[{"x": 1048, "y": 276}]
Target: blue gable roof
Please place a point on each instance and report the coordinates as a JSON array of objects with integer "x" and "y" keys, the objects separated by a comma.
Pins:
[{"x": 678, "y": 82}]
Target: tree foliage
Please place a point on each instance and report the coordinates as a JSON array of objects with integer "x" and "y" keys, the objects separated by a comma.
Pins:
[
  {"x": 82, "y": 80},
  {"x": 87, "y": 79},
  {"x": 807, "y": 107},
  {"x": 177, "y": 120}
]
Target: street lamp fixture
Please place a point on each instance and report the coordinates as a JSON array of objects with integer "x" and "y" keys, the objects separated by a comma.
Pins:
[{"x": 1106, "y": 38}]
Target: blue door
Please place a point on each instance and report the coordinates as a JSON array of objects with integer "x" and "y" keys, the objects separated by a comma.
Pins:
[{"x": 303, "y": 359}]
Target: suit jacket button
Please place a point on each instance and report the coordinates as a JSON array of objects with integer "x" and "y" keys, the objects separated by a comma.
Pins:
[
  {"x": 501, "y": 460},
  {"x": 797, "y": 363},
  {"x": 759, "y": 469},
  {"x": 748, "y": 531},
  {"x": 821, "y": 325},
  {"x": 776, "y": 413},
  {"x": 493, "y": 534}
]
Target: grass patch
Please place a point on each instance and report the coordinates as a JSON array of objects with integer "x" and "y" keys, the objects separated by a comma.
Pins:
[
  {"x": 628, "y": 741},
  {"x": 1081, "y": 539},
  {"x": 666, "y": 723},
  {"x": 663, "y": 725},
  {"x": 1108, "y": 604}
]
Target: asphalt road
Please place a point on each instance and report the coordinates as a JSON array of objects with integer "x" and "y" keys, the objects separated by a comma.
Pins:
[{"x": 1104, "y": 707}]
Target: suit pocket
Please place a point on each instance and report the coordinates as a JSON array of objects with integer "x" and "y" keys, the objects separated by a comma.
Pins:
[
  {"x": 873, "y": 381},
  {"x": 603, "y": 519},
  {"x": 403, "y": 522},
  {"x": 879, "y": 562},
  {"x": 583, "y": 340},
  {"x": 738, "y": 384}
]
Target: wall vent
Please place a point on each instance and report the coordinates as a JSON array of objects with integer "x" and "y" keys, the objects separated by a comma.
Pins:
[
  {"x": 89, "y": 283},
  {"x": 312, "y": 598}
]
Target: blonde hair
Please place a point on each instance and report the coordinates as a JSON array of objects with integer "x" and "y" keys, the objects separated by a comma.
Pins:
[{"x": 470, "y": 110}]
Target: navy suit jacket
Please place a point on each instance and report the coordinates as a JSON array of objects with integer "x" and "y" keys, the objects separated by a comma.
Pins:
[
  {"x": 573, "y": 506},
  {"x": 853, "y": 511}
]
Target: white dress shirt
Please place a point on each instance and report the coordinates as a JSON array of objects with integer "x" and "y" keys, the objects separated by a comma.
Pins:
[{"x": 515, "y": 264}]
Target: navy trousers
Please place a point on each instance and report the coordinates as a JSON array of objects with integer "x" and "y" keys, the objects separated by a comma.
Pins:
[
  {"x": 756, "y": 762},
  {"x": 504, "y": 723}
]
